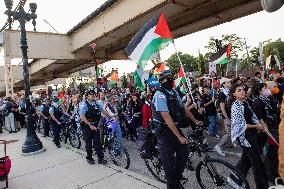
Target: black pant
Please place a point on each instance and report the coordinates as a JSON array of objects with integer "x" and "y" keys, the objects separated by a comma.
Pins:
[
  {"x": 251, "y": 158},
  {"x": 56, "y": 133},
  {"x": 173, "y": 155},
  {"x": 46, "y": 127},
  {"x": 92, "y": 137}
]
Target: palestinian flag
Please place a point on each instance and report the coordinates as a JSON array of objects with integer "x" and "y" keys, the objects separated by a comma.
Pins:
[
  {"x": 152, "y": 37},
  {"x": 222, "y": 56},
  {"x": 181, "y": 81}
]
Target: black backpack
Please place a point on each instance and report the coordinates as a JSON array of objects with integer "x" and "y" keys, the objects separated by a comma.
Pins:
[{"x": 8, "y": 109}]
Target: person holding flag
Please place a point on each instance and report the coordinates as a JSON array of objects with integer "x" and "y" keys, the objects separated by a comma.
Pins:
[
  {"x": 168, "y": 114},
  {"x": 167, "y": 108}
]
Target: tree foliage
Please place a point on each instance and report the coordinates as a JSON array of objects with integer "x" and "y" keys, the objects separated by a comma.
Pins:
[
  {"x": 237, "y": 42},
  {"x": 201, "y": 62},
  {"x": 124, "y": 82},
  {"x": 189, "y": 63},
  {"x": 275, "y": 48}
]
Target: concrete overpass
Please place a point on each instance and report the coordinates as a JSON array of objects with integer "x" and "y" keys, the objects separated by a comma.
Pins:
[{"x": 111, "y": 27}]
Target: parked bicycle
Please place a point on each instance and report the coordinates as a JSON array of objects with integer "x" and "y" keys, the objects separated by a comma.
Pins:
[
  {"x": 39, "y": 127},
  {"x": 69, "y": 131},
  {"x": 118, "y": 154},
  {"x": 210, "y": 172}
]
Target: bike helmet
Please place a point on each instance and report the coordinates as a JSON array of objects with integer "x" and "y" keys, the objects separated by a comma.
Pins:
[
  {"x": 88, "y": 91},
  {"x": 164, "y": 74}
]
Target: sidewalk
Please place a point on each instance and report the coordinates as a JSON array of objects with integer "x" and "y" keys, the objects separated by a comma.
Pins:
[{"x": 62, "y": 168}]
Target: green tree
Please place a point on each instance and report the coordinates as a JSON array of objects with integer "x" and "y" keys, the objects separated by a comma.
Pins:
[
  {"x": 201, "y": 62},
  {"x": 275, "y": 48},
  {"x": 124, "y": 82},
  {"x": 251, "y": 59},
  {"x": 237, "y": 42},
  {"x": 189, "y": 62}
]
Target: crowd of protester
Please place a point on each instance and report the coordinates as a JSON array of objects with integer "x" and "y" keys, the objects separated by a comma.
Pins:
[{"x": 233, "y": 110}]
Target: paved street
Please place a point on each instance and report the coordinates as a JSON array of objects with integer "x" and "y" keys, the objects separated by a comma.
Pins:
[{"x": 67, "y": 167}]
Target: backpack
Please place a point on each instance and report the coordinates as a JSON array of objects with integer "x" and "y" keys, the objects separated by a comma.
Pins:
[{"x": 8, "y": 109}]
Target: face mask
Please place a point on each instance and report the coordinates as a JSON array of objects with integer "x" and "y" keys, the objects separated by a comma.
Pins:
[
  {"x": 266, "y": 93},
  {"x": 168, "y": 84}
]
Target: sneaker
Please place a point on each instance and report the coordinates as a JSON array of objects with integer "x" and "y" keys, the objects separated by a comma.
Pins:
[
  {"x": 219, "y": 151},
  {"x": 91, "y": 161},
  {"x": 234, "y": 182},
  {"x": 102, "y": 161}
]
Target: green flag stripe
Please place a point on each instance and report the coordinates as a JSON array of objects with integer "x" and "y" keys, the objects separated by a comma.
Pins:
[
  {"x": 154, "y": 46},
  {"x": 224, "y": 61},
  {"x": 137, "y": 80}
]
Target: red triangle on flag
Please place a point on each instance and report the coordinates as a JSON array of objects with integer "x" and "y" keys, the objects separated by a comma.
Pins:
[
  {"x": 181, "y": 73},
  {"x": 229, "y": 50},
  {"x": 162, "y": 28}
]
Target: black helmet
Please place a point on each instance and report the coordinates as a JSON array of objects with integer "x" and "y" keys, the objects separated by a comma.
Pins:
[
  {"x": 88, "y": 91},
  {"x": 164, "y": 74}
]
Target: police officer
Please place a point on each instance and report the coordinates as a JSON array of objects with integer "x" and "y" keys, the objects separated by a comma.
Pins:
[
  {"x": 90, "y": 114},
  {"x": 168, "y": 116},
  {"x": 44, "y": 112},
  {"x": 56, "y": 112}
]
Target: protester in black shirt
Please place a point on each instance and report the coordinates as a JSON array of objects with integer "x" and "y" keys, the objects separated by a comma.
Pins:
[
  {"x": 268, "y": 114},
  {"x": 210, "y": 111},
  {"x": 223, "y": 97}
]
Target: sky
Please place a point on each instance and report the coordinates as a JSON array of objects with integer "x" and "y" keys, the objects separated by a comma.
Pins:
[{"x": 64, "y": 14}]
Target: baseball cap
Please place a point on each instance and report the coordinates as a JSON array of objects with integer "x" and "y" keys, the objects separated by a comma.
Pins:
[{"x": 224, "y": 80}]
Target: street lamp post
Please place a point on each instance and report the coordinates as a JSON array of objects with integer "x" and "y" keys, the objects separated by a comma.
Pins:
[{"x": 32, "y": 143}]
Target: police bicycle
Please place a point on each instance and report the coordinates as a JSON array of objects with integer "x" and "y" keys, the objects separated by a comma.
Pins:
[
  {"x": 69, "y": 131},
  {"x": 118, "y": 154},
  {"x": 39, "y": 126},
  {"x": 210, "y": 172}
]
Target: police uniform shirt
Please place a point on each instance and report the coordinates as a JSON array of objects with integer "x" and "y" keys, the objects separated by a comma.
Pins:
[
  {"x": 160, "y": 101},
  {"x": 84, "y": 107},
  {"x": 51, "y": 109},
  {"x": 42, "y": 109}
]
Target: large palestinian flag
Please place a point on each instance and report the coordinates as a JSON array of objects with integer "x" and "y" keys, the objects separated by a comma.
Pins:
[
  {"x": 222, "y": 56},
  {"x": 152, "y": 37}
]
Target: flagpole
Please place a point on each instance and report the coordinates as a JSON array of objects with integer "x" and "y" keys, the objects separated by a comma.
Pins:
[
  {"x": 227, "y": 69},
  {"x": 187, "y": 81}
]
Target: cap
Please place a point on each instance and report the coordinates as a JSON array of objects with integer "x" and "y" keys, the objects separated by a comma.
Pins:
[
  {"x": 164, "y": 74},
  {"x": 224, "y": 80},
  {"x": 88, "y": 91}
]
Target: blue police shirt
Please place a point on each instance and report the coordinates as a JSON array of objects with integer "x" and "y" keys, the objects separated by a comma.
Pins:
[
  {"x": 42, "y": 109},
  {"x": 51, "y": 109},
  {"x": 84, "y": 107},
  {"x": 160, "y": 101}
]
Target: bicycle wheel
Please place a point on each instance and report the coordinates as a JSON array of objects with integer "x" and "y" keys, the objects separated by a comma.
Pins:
[
  {"x": 39, "y": 126},
  {"x": 74, "y": 139},
  {"x": 216, "y": 173},
  {"x": 119, "y": 155},
  {"x": 154, "y": 165}
]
